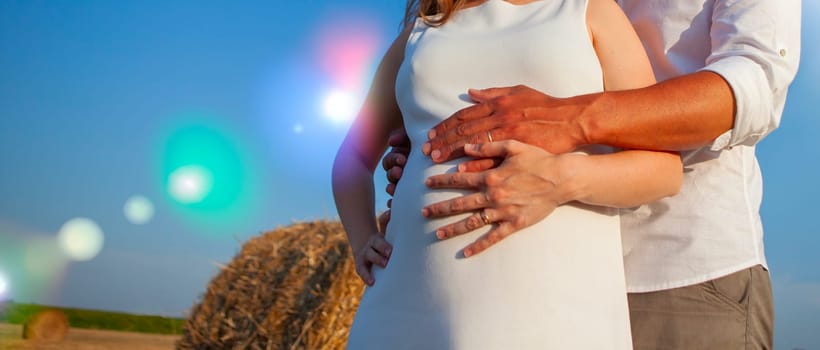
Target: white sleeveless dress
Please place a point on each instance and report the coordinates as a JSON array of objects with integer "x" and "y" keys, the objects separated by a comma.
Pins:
[{"x": 558, "y": 284}]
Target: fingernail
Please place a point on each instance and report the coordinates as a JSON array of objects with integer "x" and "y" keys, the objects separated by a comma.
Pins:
[
  {"x": 431, "y": 134},
  {"x": 370, "y": 281},
  {"x": 425, "y": 212},
  {"x": 384, "y": 262},
  {"x": 425, "y": 148},
  {"x": 462, "y": 168},
  {"x": 440, "y": 234},
  {"x": 401, "y": 161},
  {"x": 435, "y": 154},
  {"x": 467, "y": 253},
  {"x": 428, "y": 182},
  {"x": 470, "y": 147},
  {"x": 388, "y": 251}
]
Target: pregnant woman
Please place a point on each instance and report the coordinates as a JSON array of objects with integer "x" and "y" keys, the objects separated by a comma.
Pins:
[{"x": 557, "y": 284}]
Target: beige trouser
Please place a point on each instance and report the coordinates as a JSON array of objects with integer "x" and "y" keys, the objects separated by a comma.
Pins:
[{"x": 731, "y": 312}]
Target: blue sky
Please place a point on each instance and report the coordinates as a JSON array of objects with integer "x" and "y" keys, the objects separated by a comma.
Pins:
[{"x": 101, "y": 100}]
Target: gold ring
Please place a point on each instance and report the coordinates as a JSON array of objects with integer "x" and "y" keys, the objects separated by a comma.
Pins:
[
  {"x": 484, "y": 217},
  {"x": 489, "y": 136}
]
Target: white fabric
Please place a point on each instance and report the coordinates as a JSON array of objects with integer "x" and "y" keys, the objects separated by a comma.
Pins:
[
  {"x": 556, "y": 285},
  {"x": 712, "y": 228}
]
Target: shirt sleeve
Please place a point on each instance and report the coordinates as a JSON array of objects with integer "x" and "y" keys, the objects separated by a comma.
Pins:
[{"x": 756, "y": 49}]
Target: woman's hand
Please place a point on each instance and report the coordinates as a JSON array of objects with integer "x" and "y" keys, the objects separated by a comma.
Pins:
[
  {"x": 376, "y": 251},
  {"x": 526, "y": 187}
]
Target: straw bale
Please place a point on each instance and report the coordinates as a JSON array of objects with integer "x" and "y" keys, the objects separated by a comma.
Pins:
[
  {"x": 291, "y": 288},
  {"x": 48, "y": 325}
]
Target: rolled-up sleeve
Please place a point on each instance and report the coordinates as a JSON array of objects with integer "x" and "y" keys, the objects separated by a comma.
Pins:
[{"x": 756, "y": 49}]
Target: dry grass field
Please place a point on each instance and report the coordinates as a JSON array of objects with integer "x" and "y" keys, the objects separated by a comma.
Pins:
[
  {"x": 86, "y": 339},
  {"x": 293, "y": 288}
]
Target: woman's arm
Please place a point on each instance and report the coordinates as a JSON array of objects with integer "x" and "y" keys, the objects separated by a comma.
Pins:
[
  {"x": 631, "y": 177},
  {"x": 357, "y": 158},
  {"x": 530, "y": 182}
]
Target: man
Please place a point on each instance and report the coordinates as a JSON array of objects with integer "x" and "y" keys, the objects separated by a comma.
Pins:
[{"x": 695, "y": 265}]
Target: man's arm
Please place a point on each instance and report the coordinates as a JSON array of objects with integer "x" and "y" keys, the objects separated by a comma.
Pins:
[
  {"x": 742, "y": 88},
  {"x": 682, "y": 113},
  {"x": 739, "y": 94},
  {"x": 678, "y": 114}
]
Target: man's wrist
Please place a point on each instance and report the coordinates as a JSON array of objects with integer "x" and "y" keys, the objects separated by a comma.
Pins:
[{"x": 592, "y": 107}]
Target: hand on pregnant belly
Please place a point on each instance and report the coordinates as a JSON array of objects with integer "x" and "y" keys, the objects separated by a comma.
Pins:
[
  {"x": 509, "y": 113},
  {"x": 522, "y": 190},
  {"x": 376, "y": 250}
]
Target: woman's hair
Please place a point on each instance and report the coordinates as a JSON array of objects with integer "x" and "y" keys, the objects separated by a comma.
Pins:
[{"x": 433, "y": 12}]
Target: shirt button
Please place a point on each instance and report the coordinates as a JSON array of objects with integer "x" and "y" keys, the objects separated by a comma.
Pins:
[{"x": 782, "y": 52}]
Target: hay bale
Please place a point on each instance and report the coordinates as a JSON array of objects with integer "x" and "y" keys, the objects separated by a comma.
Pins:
[
  {"x": 48, "y": 325},
  {"x": 292, "y": 288}
]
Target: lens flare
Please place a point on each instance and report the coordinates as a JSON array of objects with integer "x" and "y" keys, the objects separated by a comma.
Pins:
[
  {"x": 190, "y": 184},
  {"x": 80, "y": 239},
  {"x": 4, "y": 287},
  {"x": 340, "y": 106},
  {"x": 298, "y": 129},
  {"x": 138, "y": 210},
  {"x": 32, "y": 264},
  {"x": 346, "y": 49},
  {"x": 205, "y": 171}
]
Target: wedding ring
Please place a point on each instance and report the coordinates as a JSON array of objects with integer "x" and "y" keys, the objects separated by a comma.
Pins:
[
  {"x": 484, "y": 217},
  {"x": 489, "y": 136}
]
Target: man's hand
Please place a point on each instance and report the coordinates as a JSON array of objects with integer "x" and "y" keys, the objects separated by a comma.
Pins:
[
  {"x": 509, "y": 113},
  {"x": 526, "y": 187},
  {"x": 393, "y": 164}
]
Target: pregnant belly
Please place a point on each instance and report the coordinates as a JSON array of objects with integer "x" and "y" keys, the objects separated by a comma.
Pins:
[
  {"x": 571, "y": 235},
  {"x": 562, "y": 272}
]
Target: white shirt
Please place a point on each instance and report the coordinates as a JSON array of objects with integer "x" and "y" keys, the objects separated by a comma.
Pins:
[{"x": 712, "y": 227}]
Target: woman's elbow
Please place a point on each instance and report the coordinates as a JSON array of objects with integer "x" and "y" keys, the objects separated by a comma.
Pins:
[{"x": 340, "y": 169}]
